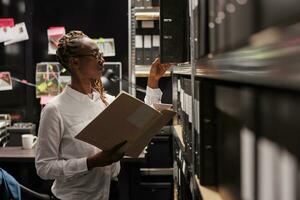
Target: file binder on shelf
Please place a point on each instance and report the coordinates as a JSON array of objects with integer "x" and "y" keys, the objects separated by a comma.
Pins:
[
  {"x": 147, "y": 3},
  {"x": 208, "y": 140},
  {"x": 147, "y": 50},
  {"x": 174, "y": 31},
  {"x": 138, "y": 3},
  {"x": 155, "y": 46},
  {"x": 139, "y": 54}
]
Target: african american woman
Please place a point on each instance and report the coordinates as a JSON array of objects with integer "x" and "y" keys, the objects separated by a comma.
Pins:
[{"x": 80, "y": 170}]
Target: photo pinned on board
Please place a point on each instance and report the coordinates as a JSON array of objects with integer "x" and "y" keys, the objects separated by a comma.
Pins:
[{"x": 5, "y": 81}]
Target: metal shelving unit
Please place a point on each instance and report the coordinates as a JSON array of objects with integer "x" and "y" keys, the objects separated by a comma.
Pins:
[
  {"x": 138, "y": 14},
  {"x": 131, "y": 48},
  {"x": 138, "y": 74},
  {"x": 236, "y": 67},
  {"x": 189, "y": 70}
]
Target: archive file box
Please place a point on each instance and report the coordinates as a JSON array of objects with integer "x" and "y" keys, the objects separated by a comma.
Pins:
[
  {"x": 155, "y": 46},
  {"x": 139, "y": 57},
  {"x": 147, "y": 50}
]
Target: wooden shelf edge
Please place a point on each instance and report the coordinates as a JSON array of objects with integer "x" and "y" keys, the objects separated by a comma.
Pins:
[
  {"x": 179, "y": 134},
  {"x": 146, "y": 74},
  {"x": 175, "y": 192},
  {"x": 207, "y": 193},
  {"x": 147, "y": 16},
  {"x": 147, "y": 9}
]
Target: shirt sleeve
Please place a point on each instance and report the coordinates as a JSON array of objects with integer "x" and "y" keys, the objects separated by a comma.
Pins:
[
  {"x": 115, "y": 170},
  {"x": 115, "y": 167},
  {"x": 153, "y": 96},
  {"x": 47, "y": 162}
]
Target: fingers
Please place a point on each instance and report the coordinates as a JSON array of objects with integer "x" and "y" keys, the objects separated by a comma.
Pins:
[
  {"x": 119, "y": 157},
  {"x": 157, "y": 69},
  {"x": 156, "y": 61},
  {"x": 165, "y": 67},
  {"x": 104, "y": 158},
  {"x": 116, "y": 156},
  {"x": 118, "y": 146}
]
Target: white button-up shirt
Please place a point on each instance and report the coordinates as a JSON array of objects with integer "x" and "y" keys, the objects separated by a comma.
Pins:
[{"x": 61, "y": 157}]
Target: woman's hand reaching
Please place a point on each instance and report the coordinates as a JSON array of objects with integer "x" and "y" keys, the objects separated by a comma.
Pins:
[{"x": 156, "y": 72}]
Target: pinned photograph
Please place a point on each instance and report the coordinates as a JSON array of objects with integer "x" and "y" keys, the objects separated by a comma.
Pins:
[
  {"x": 5, "y": 29},
  {"x": 18, "y": 33},
  {"x": 5, "y": 34},
  {"x": 47, "y": 79},
  {"x": 54, "y": 34},
  {"x": 106, "y": 46},
  {"x": 5, "y": 81}
]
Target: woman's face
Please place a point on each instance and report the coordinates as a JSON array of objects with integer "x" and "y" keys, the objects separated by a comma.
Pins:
[{"x": 89, "y": 61}]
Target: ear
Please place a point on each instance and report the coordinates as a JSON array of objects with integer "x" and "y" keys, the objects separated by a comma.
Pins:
[
  {"x": 74, "y": 62},
  {"x": 73, "y": 65}
]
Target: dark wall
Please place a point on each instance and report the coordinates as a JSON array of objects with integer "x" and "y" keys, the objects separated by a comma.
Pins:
[
  {"x": 17, "y": 58},
  {"x": 107, "y": 19},
  {"x": 94, "y": 18},
  {"x": 278, "y": 12}
]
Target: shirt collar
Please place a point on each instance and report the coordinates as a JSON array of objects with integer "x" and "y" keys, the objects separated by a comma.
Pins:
[{"x": 80, "y": 96}]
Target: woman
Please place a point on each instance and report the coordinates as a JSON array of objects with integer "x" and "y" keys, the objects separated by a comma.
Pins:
[{"x": 81, "y": 171}]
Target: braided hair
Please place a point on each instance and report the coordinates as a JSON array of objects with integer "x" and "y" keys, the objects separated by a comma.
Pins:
[{"x": 68, "y": 47}]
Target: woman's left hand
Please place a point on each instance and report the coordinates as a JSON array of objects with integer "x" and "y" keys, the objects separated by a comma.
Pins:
[{"x": 156, "y": 72}]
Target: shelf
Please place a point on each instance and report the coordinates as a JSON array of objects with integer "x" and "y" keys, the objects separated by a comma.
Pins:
[
  {"x": 205, "y": 72},
  {"x": 207, "y": 193},
  {"x": 182, "y": 69},
  {"x": 143, "y": 71},
  {"x": 146, "y": 74},
  {"x": 142, "y": 66},
  {"x": 147, "y": 13},
  {"x": 274, "y": 65},
  {"x": 178, "y": 133},
  {"x": 146, "y": 16},
  {"x": 147, "y": 9},
  {"x": 157, "y": 171}
]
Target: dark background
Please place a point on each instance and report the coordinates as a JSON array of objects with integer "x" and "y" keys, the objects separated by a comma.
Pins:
[{"x": 107, "y": 19}]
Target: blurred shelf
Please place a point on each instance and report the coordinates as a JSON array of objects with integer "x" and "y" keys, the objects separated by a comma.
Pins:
[
  {"x": 182, "y": 69},
  {"x": 274, "y": 64},
  {"x": 207, "y": 193},
  {"x": 147, "y": 13}
]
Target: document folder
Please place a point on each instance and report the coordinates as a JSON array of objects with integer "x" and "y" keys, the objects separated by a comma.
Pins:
[{"x": 126, "y": 118}]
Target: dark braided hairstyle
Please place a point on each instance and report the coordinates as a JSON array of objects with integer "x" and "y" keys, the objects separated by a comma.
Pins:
[{"x": 68, "y": 47}]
